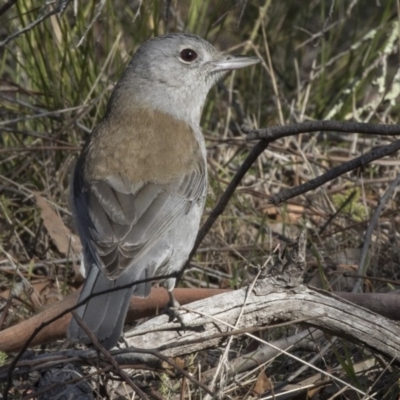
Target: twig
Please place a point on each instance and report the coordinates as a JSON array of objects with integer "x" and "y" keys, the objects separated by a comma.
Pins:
[
  {"x": 99, "y": 8},
  {"x": 4, "y": 311},
  {"x": 370, "y": 278},
  {"x": 264, "y": 354},
  {"x": 333, "y": 173},
  {"x": 60, "y": 7},
  {"x": 362, "y": 266},
  {"x": 58, "y": 385},
  {"x": 278, "y": 132},
  {"x": 44, "y": 114},
  {"x": 224, "y": 356},
  {"x": 333, "y": 216},
  {"x": 223, "y": 201},
  {"x": 108, "y": 356},
  {"x": 304, "y": 368},
  {"x": 6, "y": 6}
]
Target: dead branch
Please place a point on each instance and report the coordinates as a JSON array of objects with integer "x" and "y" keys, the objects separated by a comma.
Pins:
[
  {"x": 267, "y": 304},
  {"x": 13, "y": 338},
  {"x": 374, "y": 154},
  {"x": 278, "y": 132}
]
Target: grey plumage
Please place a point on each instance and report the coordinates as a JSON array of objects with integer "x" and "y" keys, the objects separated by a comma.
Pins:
[{"x": 140, "y": 183}]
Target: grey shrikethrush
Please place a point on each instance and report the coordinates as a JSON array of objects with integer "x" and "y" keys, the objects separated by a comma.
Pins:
[{"x": 140, "y": 183}]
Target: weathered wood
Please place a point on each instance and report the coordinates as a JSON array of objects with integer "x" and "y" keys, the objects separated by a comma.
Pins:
[{"x": 266, "y": 304}]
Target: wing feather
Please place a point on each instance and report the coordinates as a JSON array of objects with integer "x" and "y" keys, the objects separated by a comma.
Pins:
[{"x": 122, "y": 220}]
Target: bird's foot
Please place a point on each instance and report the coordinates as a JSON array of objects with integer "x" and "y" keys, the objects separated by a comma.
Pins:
[{"x": 174, "y": 311}]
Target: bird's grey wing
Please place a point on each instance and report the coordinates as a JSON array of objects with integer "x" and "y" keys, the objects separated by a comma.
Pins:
[{"x": 120, "y": 220}]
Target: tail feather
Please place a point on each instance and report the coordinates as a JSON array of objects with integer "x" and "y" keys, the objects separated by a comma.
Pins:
[
  {"x": 105, "y": 314},
  {"x": 144, "y": 289}
]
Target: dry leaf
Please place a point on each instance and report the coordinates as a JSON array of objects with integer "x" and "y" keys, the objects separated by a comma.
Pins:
[
  {"x": 262, "y": 384},
  {"x": 291, "y": 213},
  {"x": 62, "y": 237}
]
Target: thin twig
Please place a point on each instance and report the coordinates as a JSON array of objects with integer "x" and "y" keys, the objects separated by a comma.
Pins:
[
  {"x": 58, "y": 385},
  {"x": 99, "y": 8},
  {"x": 278, "y": 132},
  {"x": 61, "y": 6},
  {"x": 333, "y": 216},
  {"x": 223, "y": 201},
  {"x": 7, "y": 6},
  {"x": 224, "y": 356},
  {"x": 362, "y": 266},
  {"x": 333, "y": 173},
  {"x": 108, "y": 356}
]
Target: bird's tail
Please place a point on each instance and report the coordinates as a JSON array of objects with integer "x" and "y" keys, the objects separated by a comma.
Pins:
[{"x": 104, "y": 314}]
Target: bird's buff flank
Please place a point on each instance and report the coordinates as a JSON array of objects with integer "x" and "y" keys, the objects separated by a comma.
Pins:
[{"x": 140, "y": 183}]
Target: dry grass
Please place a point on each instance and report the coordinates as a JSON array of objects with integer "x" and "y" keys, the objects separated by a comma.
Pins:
[{"x": 318, "y": 63}]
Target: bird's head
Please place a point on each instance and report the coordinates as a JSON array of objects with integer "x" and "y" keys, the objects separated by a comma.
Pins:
[{"x": 173, "y": 74}]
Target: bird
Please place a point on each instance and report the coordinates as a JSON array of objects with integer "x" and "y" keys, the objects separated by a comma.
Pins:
[{"x": 140, "y": 182}]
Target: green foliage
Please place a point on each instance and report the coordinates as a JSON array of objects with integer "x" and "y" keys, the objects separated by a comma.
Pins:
[
  {"x": 354, "y": 207},
  {"x": 3, "y": 358}
]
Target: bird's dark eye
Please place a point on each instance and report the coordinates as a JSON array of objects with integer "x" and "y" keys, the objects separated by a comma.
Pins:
[{"x": 188, "y": 55}]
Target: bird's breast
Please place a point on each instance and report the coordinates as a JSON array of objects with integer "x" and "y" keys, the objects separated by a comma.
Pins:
[{"x": 143, "y": 145}]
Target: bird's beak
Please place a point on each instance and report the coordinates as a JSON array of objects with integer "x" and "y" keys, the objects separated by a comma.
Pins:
[{"x": 232, "y": 62}]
